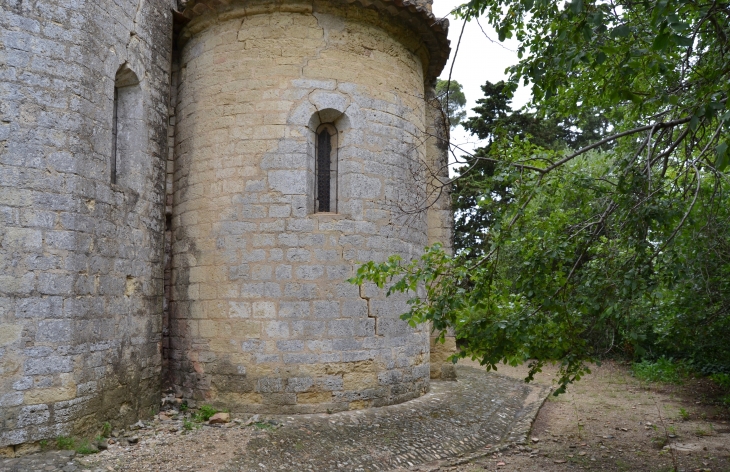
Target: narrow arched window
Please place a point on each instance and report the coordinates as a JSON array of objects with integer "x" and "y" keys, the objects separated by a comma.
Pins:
[
  {"x": 325, "y": 170},
  {"x": 115, "y": 132},
  {"x": 126, "y": 120}
]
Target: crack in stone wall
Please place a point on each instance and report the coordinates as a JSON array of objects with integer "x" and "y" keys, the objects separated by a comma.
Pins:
[
  {"x": 204, "y": 262},
  {"x": 269, "y": 322}
]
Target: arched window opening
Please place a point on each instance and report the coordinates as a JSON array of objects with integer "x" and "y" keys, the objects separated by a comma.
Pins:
[
  {"x": 126, "y": 119},
  {"x": 115, "y": 131},
  {"x": 325, "y": 170}
]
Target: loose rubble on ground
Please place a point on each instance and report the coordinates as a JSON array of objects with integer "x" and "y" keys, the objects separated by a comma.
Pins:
[{"x": 174, "y": 439}]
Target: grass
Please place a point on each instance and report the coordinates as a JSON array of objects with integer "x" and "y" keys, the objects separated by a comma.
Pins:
[
  {"x": 662, "y": 370},
  {"x": 684, "y": 414},
  {"x": 65, "y": 442},
  {"x": 204, "y": 413},
  {"x": 659, "y": 441},
  {"x": 723, "y": 380},
  {"x": 726, "y": 400},
  {"x": 188, "y": 425},
  {"x": 85, "y": 447},
  {"x": 81, "y": 446},
  {"x": 106, "y": 430}
]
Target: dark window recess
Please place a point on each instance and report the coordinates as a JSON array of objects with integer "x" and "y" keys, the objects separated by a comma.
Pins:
[
  {"x": 324, "y": 170},
  {"x": 115, "y": 131}
]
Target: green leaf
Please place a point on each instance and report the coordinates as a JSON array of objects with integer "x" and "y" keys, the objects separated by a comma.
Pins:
[
  {"x": 694, "y": 122},
  {"x": 723, "y": 157},
  {"x": 681, "y": 40},
  {"x": 660, "y": 42},
  {"x": 576, "y": 6},
  {"x": 620, "y": 31}
]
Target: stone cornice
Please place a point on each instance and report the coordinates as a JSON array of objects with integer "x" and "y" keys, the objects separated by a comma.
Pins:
[{"x": 433, "y": 31}]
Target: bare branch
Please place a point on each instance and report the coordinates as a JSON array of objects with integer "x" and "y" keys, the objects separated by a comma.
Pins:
[{"x": 615, "y": 137}]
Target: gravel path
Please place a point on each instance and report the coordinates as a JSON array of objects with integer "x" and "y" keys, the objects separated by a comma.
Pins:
[{"x": 456, "y": 421}]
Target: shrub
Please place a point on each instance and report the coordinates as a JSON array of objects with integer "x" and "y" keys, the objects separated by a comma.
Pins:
[{"x": 662, "y": 370}]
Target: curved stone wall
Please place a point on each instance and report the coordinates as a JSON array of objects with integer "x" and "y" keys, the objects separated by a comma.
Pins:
[
  {"x": 262, "y": 318},
  {"x": 80, "y": 273}
]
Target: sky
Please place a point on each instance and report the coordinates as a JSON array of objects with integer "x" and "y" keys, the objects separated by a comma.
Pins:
[{"x": 477, "y": 61}]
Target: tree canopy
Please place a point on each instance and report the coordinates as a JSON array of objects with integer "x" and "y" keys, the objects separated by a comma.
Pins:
[
  {"x": 452, "y": 99},
  {"x": 597, "y": 222}
]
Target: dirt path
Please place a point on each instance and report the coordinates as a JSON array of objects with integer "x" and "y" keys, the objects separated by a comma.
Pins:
[{"x": 610, "y": 421}]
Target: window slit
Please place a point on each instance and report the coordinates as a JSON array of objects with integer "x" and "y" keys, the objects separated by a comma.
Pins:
[
  {"x": 324, "y": 170},
  {"x": 115, "y": 128}
]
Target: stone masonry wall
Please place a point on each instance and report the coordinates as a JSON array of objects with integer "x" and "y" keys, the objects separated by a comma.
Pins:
[
  {"x": 261, "y": 316},
  {"x": 80, "y": 258}
]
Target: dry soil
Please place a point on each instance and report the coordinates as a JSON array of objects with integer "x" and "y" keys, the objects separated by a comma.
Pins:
[{"x": 610, "y": 421}]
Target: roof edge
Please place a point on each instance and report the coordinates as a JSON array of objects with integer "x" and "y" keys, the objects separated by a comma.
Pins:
[{"x": 433, "y": 31}]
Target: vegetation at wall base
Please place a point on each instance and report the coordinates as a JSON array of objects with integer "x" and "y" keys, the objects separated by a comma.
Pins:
[
  {"x": 81, "y": 446},
  {"x": 594, "y": 224},
  {"x": 204, "y": 413}
]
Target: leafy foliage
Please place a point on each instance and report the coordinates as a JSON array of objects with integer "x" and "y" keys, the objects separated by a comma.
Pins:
[
  {"x": 661, "y": 370},
  {"x": 452, "y": 99},
  {"x": 635, "y": 62},
  {"x": 495, "y": 120},
  {"x": 597, "y": 223}
]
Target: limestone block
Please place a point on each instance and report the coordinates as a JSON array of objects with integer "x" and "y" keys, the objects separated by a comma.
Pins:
[{"x": 9, "y": 333}]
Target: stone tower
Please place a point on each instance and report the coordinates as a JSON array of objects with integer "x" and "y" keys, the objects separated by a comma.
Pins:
[
  {"x": 262, "y": 319},
  {"x": 185, "y": 188}
]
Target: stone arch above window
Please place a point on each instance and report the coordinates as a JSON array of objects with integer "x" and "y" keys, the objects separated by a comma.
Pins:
[
  {"x": 128, "y": 136},
  {"x": 325, "y": 169}
]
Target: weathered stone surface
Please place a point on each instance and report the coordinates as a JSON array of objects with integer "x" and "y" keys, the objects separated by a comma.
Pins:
[
  {"x": 78, "y": 343},
  {"x": 259, "y": 276},
  {"x": 248, "y": 306},
  {"x": 220, "y": 418}
]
